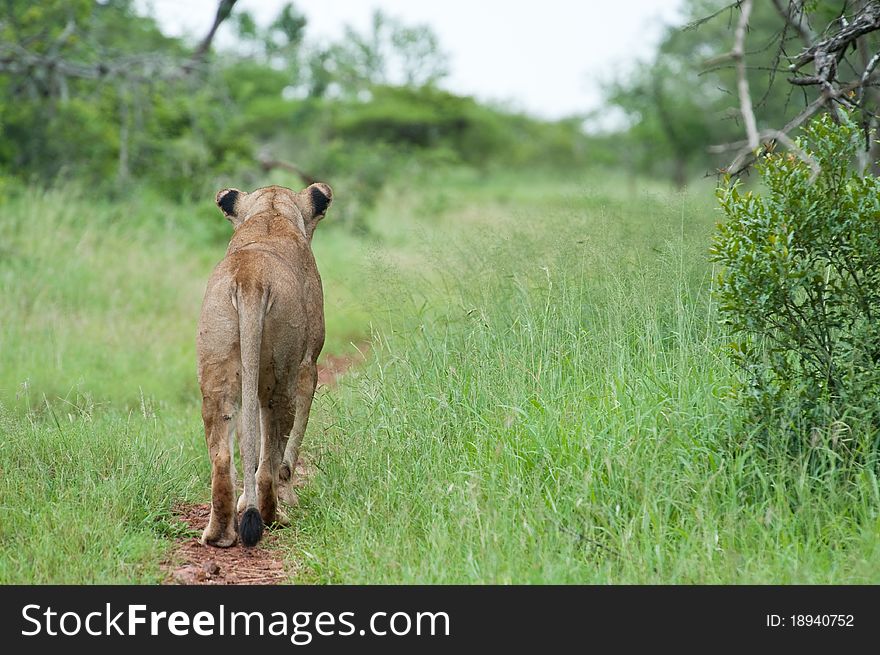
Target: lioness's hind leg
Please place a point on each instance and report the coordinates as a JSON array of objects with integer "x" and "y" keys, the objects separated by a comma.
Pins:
[
  {"x": 217, "y": 417},
  {"x": 239, "y": 506},
  {"x": 267, "y": 499},
  {"x": 306, "y": 380},
  {"x": 285, "y": 413}
]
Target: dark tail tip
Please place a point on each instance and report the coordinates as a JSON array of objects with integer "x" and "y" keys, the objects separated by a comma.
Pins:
[{"x": 251, "y": 528}]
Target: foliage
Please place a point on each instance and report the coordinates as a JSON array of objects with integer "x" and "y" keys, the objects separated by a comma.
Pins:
[
  {"x": 141, "y": 124},
  {"x": 354, "y": 112},
  {"x": 800, "y": 287},
  {"x": 684, "y": 99},
  {"x": 428, "y": 119},
  {"x": 391, "y": 53}
]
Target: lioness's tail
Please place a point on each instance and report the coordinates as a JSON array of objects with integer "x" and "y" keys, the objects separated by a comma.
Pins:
[{"x": 251, "y": 311}]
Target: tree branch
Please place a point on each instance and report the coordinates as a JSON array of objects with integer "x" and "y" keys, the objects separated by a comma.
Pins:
[
  {"x": 748, "y": 155},
  {"x": 268, "y": 163},
  {"x": 700, "y": 21},
  {"x": 738, "y": 55},
  {"x": 793, "y": 15},
  {"x": 823, "y": 53},
  {"x": 742, "y": 84},
  {"x": 17, "y": 59},
  {"x": 224, "y": 9},
  {"x": 828, "y": 58}
]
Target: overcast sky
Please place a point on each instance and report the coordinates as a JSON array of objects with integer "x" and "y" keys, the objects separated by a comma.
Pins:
[{"x": 546, "y": 58}]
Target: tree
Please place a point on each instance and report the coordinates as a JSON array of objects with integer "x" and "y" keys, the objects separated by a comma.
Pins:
[
  {"x": 843, "y": 72},
  {"x": 83, "y": 83},
  {"x": 674, "y": 126},
  {"x": 390, "y": 54},
  {"x": 684, "y": 100}
]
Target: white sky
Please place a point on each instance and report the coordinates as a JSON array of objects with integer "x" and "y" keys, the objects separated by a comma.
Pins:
[{"x": 547, "y": 58}]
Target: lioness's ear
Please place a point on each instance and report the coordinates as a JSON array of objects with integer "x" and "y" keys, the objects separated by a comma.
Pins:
[
  {"x": 313, "y": 202},
  {"x": 226, "y": 201},
  {"x": 321, "y": 196}
]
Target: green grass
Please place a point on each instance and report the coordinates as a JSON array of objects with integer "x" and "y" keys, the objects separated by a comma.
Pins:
[
  {"x": 101, "y": 431},
  {"x": 87, "y": 494},
  {"x": 545, "y": 401}
]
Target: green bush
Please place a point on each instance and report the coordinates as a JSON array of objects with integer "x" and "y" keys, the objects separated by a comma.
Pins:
[
  {"x": 421, "y": 120},
  {"x": 800, "y": 289}
]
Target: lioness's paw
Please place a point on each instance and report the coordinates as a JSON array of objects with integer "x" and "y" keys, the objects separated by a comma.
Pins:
[
  {"x": 218, "y": 539},
  {"x": 288, "y": 494},
  {"x": 281, "y": 518}
]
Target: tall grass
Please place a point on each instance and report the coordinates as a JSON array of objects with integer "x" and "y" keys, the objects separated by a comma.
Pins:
[
  {"x": 546, "y": 398},
  {"x": 87, "y": 494},
  {"x": 552, "y": 406}
]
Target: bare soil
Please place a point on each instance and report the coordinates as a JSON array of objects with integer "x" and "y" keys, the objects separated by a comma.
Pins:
[
  {"x": 191, "y": 563},
  {"x": 194, "y": 564},
  {"x": 332, "y": 367}
]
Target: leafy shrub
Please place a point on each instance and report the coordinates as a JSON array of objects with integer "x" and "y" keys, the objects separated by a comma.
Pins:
[
  {"x": 800, "y": 288},
  {"x": 358, "y": 174},
  {"x": 422, "y": 119}
]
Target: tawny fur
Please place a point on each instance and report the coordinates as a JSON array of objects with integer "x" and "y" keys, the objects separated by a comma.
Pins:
[{"x": 260, "y": 333}]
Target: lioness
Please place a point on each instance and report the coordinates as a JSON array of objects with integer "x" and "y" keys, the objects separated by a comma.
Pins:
[{"x": 260, "y": 333}]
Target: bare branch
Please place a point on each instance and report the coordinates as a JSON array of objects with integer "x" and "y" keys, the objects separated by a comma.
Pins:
[
  {"x": 224, "y": 9},
  {"x": 793, "y": 15},
  {"x": 268, "y": 163},
  {"x": 866, "y": 74},
  {"x": 700, "y": 21},
  {"x": 867, "y": 20},
  {"x": 817, "y": 104},
  {"x": 747, "y": 155},
  {"x": 783, "y": 138},
  {"x": 738, "y": 54},
  {"x": 721, "y": 148},
  {"x": 829, "y": 60}
]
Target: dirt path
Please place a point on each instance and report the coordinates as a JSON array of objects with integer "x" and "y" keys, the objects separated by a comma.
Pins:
[{"x": 191, "y": 563}]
